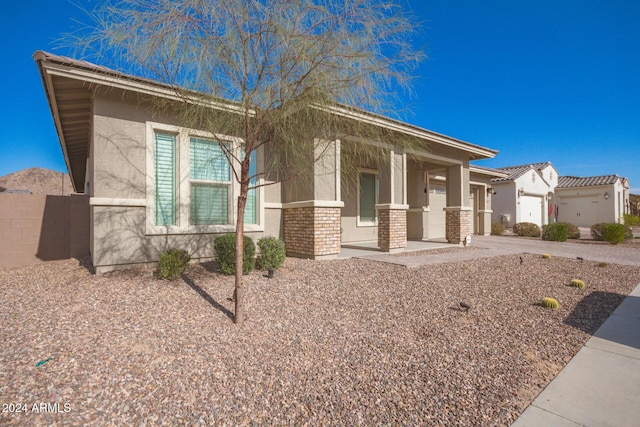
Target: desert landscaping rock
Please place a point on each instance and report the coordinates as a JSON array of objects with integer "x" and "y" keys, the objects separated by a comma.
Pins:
[{"x": 346, "y": 342}]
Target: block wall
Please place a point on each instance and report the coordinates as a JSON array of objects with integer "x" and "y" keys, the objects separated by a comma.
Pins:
[
  {"x": 392, "y": 229},
  {"x": 312, "y": 231},
  {"x": 458, "y": 225}
]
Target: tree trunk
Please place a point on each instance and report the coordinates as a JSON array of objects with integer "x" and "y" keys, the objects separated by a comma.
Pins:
[{"x": 242, "y": 201}]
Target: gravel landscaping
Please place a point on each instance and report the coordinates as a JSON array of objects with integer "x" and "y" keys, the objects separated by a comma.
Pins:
[{"x": 345, "y": 342}]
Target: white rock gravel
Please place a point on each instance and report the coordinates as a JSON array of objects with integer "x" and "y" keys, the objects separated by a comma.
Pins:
[{"x": 346, "y": 342}]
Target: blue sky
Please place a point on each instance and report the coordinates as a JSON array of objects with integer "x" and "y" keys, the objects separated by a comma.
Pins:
[{"x": 537, "y": 80}]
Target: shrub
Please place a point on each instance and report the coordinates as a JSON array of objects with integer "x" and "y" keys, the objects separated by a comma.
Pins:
[
  {"x": 554, "y": 232},
  {"x": 526, "y": 229},
  {"x": 550, "y": 303},
  {"x": 613, "y": 233},
  {"x": 272, "y": 253},
  {"x": 497, "y": 229},
  {"x": 172, "y": 264},
  {"x": 546, "y": 256},
  {"x": 597, "y": 231},
  {"x": 225, "y": 250},
  {"x": 602, "y": 264},
  {"x": 631, "y": 220},
  {"x": 573, "y": 232},
  {"x": 577, "y": 283}
]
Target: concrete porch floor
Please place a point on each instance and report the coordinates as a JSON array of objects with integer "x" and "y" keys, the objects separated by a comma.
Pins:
[{"x": 362, "y": 249}]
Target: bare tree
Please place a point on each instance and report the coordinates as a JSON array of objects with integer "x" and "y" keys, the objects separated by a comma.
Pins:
[{"x": 283, "y": 65}]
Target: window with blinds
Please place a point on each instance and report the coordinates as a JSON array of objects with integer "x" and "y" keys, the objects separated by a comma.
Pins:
[
  {"x": 165, "y": 179},
  {"x": 369, "y": 186},
  {"x": 210, "y": 180},
  {"x": 250, "y": 210}
]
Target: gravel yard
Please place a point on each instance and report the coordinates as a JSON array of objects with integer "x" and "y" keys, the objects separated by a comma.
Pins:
[{"x": 346, "y": 342}]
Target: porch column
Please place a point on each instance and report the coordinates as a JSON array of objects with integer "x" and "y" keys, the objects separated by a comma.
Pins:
[
  {"x": 458, "y": 212},
  {"x": 393, "y": 207},
  {"x": 312, "y": 225},
  {"x": 484, "y": 210}
]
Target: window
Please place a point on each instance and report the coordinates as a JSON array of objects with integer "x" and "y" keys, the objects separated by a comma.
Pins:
[
  {"x": 210, "y": 178},
  {"x": 369, "y": 189},
  {"x": 190, "y": 185},
  {"x": 165, "y": 179}
]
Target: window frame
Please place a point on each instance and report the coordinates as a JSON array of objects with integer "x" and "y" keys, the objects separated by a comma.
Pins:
[
  {"x": 359, "y": 221},
  {"x": 183, "y": 186}
]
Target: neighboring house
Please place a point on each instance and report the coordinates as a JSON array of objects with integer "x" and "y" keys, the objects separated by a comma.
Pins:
[
  {"x": 587, "y": 201},
  {"x": 525, "y": 194},
  {"x": 147, "y": 194}
]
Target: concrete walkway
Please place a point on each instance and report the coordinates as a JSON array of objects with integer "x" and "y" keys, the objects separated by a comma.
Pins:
[{"x": 600, "y": 386}]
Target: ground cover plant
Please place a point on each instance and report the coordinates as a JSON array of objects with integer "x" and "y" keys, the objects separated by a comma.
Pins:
[{"x": 344, "y": 342}]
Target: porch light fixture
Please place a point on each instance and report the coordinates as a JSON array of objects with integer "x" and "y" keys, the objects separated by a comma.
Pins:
[
  {"x": 606, "y": 195},
  {"x": 490, "y": 191},
  {"x": 520, "y": 191}
]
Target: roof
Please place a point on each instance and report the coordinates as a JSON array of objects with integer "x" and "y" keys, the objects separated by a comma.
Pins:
[
  {"x": 589, "y": 181},
  {"x": 69, "y": 84},
  {"x": 483, "y": 170},
  {"x": 515, "y": 172}
]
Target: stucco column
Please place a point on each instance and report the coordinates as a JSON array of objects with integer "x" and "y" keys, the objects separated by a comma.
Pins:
[
  {"x": 484, "y": 210},
  {"x": 458, "y": 212}
]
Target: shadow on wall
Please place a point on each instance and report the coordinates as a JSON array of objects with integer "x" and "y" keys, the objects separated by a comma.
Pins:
[
  {"x": 64, "y": 228},
  {"x": 594, "y": 309}
]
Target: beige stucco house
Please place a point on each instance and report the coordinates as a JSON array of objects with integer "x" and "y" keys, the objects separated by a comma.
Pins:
[
  {"x": 585, "y": 201},
  {"x": 525, "y": 194},
  {"x": 139, "y": 168}
]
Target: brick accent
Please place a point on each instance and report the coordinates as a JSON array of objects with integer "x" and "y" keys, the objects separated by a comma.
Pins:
[
  {"x": 458, "y": 224},
  {"x": 392, "y": 229},
  {"x": 312, "y": 231}
]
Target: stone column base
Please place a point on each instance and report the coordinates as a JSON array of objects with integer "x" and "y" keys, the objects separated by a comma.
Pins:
[
  {"x": 392, "y": 227},
  {"x": 458, "y": 220},
  {"x": 312, "y": 232}
]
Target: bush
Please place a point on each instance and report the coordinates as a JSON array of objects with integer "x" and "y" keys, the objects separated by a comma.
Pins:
[
  {"x": 172, "y": 264},
  {"x": 272, "y": 253},
  {"x": 577, "y": 283},
  {"x": 526, "y": 229},
  {"x": 631, "y": 220},
  {"x": 554, "y": 232},
  {"x": 573, "y": 232},
  {"x": 613, "y": 233},
  {"x": 546, "y": 256},
  {"x": 497, "y": 229},
  {"x": 225, "y": 250}
]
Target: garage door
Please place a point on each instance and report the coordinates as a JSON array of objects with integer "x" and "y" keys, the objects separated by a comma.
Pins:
[
  {"x": 579, "y": 211},
  {"x": 531, "y": 209}
]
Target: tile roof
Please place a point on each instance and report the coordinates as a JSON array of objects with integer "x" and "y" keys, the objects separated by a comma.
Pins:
[
  {"x": 589, "y": 181},
  {"x": 515, "y": 172}
]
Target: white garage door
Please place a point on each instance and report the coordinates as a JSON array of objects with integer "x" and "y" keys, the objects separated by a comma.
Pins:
[
  {"x": 531, "y": 209},
  {"x": 579, "y": 211}
]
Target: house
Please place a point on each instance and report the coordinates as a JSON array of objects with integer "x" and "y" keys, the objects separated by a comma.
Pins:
[
  {"x": 139, "y": 167},
  {"x": 590, "y": 200},
  {"x": 525, "y": 194}
]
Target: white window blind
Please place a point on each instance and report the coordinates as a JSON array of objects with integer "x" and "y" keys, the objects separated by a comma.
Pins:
[
  {"x": 210, "y": 175},
  {"x": 165, "y": 179},
  {"x": 369, "y": 195}
]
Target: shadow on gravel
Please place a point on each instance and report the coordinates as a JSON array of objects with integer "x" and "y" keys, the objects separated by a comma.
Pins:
[
  {"x": 207, "y": 297},
  {"x": 592, "y": 311}
]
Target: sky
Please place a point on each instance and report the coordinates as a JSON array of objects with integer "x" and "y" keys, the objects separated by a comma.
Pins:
[{"x": 538, "y": 80}]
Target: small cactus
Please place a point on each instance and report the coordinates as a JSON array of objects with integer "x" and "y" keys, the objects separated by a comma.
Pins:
[
  {"x": 577, "y": 283},
  {"x": 602, "y": 264},
  {"x": 550, "y": 303},
  {"x": 546, "y": 256}
]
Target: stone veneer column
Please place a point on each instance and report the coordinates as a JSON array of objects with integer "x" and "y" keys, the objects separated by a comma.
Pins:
[
  {"x": 312, "y": 231},
  {"x": 458, "y": 221},
  {"x": 392, "y": 227}
]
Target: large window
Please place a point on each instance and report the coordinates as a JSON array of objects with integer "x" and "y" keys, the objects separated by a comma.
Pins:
[
  {"x": 210, "y": 179},
  {"x": 369, "y": 194},
  {"x": 165, "y": 178},
  {"x": 190, "y": 187}
]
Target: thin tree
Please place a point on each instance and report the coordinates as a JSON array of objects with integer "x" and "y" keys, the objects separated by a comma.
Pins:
[{"x": 282, "y": 65}]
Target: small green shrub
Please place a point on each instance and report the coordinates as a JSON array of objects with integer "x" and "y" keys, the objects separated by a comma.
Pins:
[
  {"x": 613, "y": 233},
  {"x": 573, "y": 232},
  {"x": 172, "y": 264},
  {"x": 272, "y": 253},
  {"x": 225, "y": 250},
  {"x": 631, "y": 220},
  {"x": 597, "y": 230},
  {"x": 554, "y": 232},
  {"x": 602, "y": 264},
  {"x": 577, "y": 283},
  {"x": 526, "y": 229},
  {"x": 550, "y": 303},
  {"x": 546, "y": 256},
  {"x": 497, "y": 229}
]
